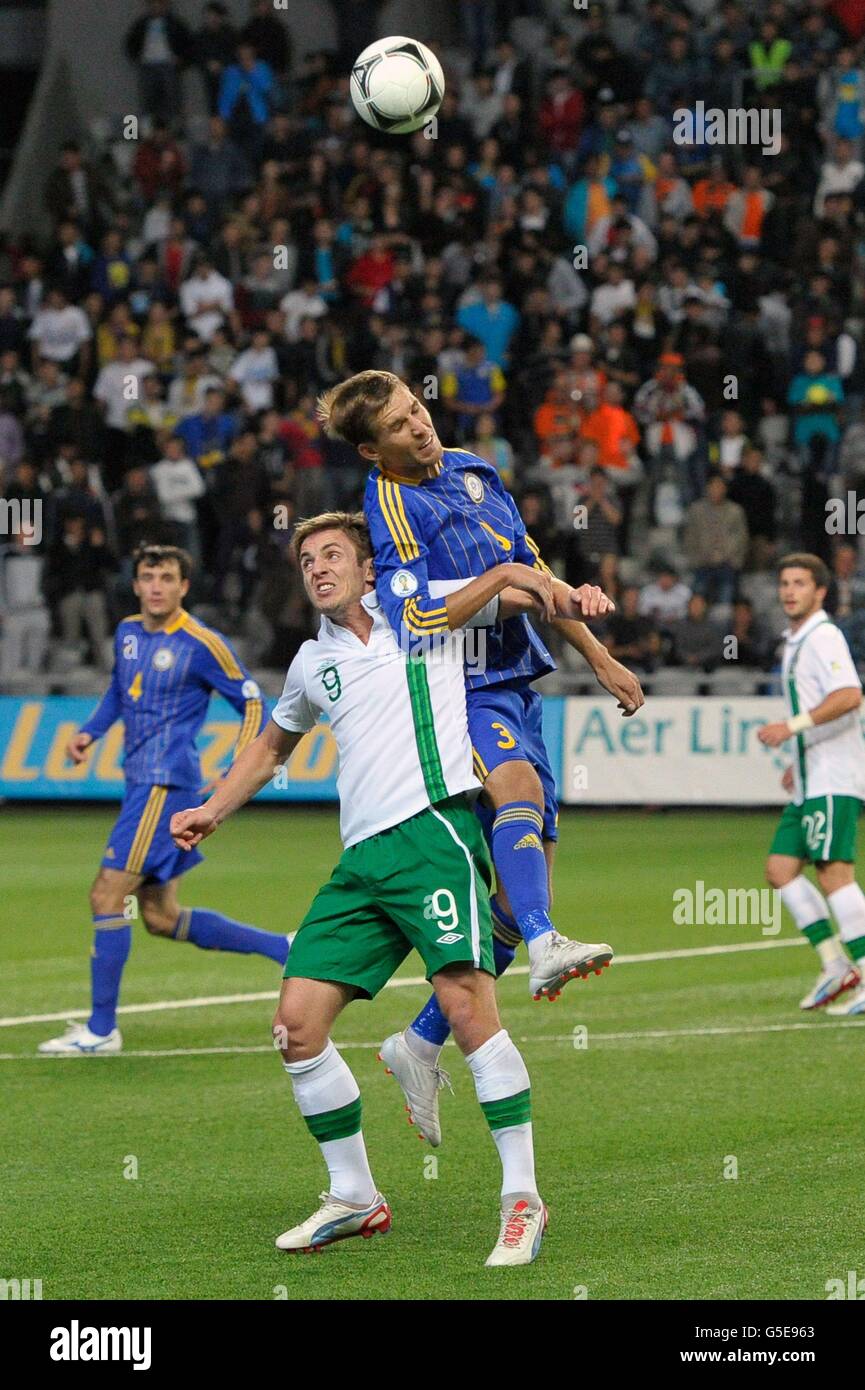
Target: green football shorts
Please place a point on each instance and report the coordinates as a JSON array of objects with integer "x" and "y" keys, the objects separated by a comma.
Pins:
[
  {"x": 424, "y": 883},
  {"x": 822, "y": 828}
]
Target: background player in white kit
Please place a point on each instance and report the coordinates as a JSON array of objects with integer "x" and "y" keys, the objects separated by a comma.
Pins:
[{"x": 827, "y": 782}]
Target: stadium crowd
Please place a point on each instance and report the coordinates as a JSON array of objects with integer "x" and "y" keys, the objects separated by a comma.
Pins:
[{"x": 658, "y": 344}]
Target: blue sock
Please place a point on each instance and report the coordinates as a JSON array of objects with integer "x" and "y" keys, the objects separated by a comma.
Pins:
[
  {"x": 431, "y": 1022},
  {"x": 213, "y": 932},
  {"x": 518, "y": 854},
  {"x": 112, "y": 939}
]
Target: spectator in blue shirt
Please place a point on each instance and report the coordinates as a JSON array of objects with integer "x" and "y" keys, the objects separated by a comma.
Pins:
[
  {"x": 492, "y": 319},
  {"x": 246, "y": 94},
  {"x": 209, "y": 435},
  {"x": 475, "y": 388},
  {"x": 816, "y": 396}
]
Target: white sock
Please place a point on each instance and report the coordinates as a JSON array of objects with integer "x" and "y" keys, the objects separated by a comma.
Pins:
[
  {"x": 500, "y": 1077},
  {"x": 848, "y": 909},
  {"x": 422, "y": 1048},
  {"x": 322, "y": 1086},
  {"x": 806, "y": 905}
]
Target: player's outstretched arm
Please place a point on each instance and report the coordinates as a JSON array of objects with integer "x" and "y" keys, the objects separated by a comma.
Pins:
[
  {"x": 250, "y": 771},
  {"x": 836, "y": 704},
  {"x": 463, "y": 604}
]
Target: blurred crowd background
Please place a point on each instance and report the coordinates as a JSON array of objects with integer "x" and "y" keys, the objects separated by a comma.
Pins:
[{"x": 657, "y": 344}]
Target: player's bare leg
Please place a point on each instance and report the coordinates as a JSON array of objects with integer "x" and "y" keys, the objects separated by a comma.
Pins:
[
  {"x": 810, "y": 911},
  {"x": 327, "y": 1096},
  {"x": 113, "y": 905},
  {"x": 468, "y": 1001}
]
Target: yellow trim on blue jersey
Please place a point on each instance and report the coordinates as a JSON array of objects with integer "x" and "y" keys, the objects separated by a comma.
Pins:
[
  {"x": 133, "y": 618},
  {"x": 413, "y": 548},
  {"x": 250, "y": 726},
  {"x": 215, "y": 645},
  {"x": 179, "y": 622},
  {"x": 539, "y": 563},
  {"x": 481, "y": 764},
  {"x": 399, "y": 519},
  {"x": 409, "y": 482},
  {"x": 146, "y": 829},
  {"x": 419, "y": 622},
  {"x": 391, "y": 520}
]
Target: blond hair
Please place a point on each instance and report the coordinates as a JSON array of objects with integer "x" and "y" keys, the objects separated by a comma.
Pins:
[
  {"x": 353, "y": 524},
  {"x": 349, "y": 411}
]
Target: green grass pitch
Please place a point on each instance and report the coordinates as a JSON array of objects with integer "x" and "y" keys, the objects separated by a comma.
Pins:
[{"x": 633, "y": 1132}]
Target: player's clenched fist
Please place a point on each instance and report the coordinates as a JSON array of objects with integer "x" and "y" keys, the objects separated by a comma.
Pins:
[
  {"x": 76, "y": 748},
  {"x": 189, "y": 828}
]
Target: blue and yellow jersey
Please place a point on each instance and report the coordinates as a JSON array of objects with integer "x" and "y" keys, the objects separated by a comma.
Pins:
[
  {"x": 455, "y": 525},
  {"x": 161, "y": 687}
]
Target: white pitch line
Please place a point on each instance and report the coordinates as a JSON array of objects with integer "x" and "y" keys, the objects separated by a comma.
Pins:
[
  {"x": 402, "y": 982},
  {"x": 638, "y": 1035}
]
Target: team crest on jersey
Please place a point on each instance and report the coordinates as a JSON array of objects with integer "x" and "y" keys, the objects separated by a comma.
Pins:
[
  {"x": 474, "y": 487},
  {"x": 163, "y": 659},
  {"x": 250, "y": 690},
  {"x": 403, "y": 584}
]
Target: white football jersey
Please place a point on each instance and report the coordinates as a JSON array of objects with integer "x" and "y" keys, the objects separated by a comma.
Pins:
[
  {"x": 828, "y": 760},
  {"x": 399, "y": 723}
]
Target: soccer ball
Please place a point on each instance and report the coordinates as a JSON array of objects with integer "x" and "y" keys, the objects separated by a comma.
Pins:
[{"x": 397, "y": 84}]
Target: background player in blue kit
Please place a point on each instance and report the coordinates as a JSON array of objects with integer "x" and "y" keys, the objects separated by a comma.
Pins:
[
  {"x": 438, "y": 518},
  {"x": 166, "y": 665}
]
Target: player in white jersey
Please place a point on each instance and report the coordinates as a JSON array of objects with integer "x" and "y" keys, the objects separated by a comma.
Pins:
[
  {"x": 827, "y": 782},
  {"x": 414, "y": 872}
]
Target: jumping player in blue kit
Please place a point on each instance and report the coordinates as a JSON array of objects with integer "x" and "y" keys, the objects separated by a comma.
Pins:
[
  {"x": 439, "y": 518},
  {"x": 166, "y": 665}
]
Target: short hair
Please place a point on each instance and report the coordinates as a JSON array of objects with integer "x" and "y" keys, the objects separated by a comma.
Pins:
[
  {"x": 153, "y": 555},
  {"x": 803, "y": 560},
  {"x": 353, "y": 524},
  {"x": 349, "y": 411}
]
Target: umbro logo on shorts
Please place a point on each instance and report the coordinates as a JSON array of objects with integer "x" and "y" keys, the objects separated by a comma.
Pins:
[
  {"x": 449, "y": 938},
  {"x": 531, "y": 841}
]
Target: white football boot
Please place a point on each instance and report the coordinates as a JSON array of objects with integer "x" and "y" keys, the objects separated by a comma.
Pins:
[
  {"x": 851, "y": 1007},
  {"x": 524, "y": 1220},
  {"x": 838, "y": 977},
  {"x": 78, "y": 1041},
  {"x": 337, "y": 1220},
  {"x": 420, "y": 1084},
  {"x": 562, "y": 960}
]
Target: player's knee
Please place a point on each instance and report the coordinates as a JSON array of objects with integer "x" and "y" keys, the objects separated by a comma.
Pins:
[
  {"x": 296, "y": 1035},
  {"x": 460, "y": 996},
  {"x": 157, "y": 919},
  {"x": 515, "y": 781},
  {"x": 776, "y": 876},
  {"x": 103, "y": 899}
]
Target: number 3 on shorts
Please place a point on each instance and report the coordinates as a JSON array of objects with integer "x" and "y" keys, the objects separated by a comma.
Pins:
[{"x": 441, "y": 905}]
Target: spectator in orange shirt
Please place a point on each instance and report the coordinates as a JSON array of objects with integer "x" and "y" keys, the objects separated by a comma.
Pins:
[
  {"x": 712, "y": 193},
  {"x": 560, "y": 416},
  {"x": 617, "y": 435}
]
